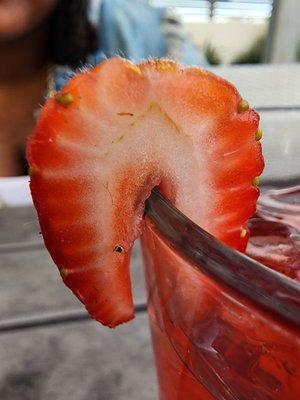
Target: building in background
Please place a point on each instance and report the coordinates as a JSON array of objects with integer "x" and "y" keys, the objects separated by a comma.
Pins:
[{"x": 239, "y": 29}]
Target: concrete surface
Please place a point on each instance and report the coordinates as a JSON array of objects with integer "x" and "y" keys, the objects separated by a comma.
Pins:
[
  {"x": 74, "y": 361},
  {"x": 78, "y": 362}
]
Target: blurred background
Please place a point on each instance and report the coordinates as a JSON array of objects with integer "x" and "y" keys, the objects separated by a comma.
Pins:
[
  {"x": 49, "y": 348},
  {"x": 42, "y": 43},
  {"x": 241, "y": 31}
]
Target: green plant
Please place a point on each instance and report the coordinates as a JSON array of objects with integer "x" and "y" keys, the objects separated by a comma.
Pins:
[
  {"x": 298, "y": 53},
  {"x": 212, "y": 55},
  {"x": 254, "y": 54}
]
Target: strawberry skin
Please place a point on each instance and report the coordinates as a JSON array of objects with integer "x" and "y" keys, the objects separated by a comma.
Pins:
[{"x": 110, "y": 136}]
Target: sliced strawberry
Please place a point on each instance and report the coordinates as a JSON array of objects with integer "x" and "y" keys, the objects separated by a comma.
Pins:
[{"x": 109, "y": 137}]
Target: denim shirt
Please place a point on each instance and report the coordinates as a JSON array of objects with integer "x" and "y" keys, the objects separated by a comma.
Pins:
[{"x": 136, "y": 30}]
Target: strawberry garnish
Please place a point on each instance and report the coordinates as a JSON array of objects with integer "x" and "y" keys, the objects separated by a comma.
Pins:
[{"x": 113, "y": 134}]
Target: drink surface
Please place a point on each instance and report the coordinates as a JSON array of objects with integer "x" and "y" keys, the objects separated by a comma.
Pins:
[
  {"x": 275, "y": 237},
  {"x": 211, "y": 342}
]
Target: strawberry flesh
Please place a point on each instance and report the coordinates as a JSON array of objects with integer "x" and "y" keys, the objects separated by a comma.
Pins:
[{"x": 121, "y": 130}]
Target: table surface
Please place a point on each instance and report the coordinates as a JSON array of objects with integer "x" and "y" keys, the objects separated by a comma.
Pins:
[{"x": 79, "y": 359}]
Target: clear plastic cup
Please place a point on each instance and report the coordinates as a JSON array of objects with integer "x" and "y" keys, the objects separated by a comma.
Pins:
[{"x": 223, "y": 326}]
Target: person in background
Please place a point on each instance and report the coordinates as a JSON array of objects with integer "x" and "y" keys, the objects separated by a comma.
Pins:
[
  {"x": 34, "y": 36},
  {"x": 43, "y": 42},
  {"x": 136, "y": 30}
]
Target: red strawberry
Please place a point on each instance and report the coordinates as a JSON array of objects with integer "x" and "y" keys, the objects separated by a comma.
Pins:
[{"x": 109, "y": 137}]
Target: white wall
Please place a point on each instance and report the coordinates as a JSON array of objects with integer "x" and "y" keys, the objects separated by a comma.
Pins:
[
  {"x": 286, "y": 32},
  {"x": 229, "y": 38}
]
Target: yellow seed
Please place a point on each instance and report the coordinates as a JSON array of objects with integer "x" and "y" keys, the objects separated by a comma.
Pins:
[
  {"x": 166, "y": 66},
  {"x": 31, "y": 172},
  {"x": 134, "y": 68},
  {"x": 120, "y": 138},
  {"x": 255, "y": 181},
  {"x": 258, "y": 134},
  {"x": 118, "y": 249},
  {"x": 243, "y": 106},
  {"x": 243, "y": 233},
  {"x": 64, "y": 98},
  {"x": 63, "y": 273}
]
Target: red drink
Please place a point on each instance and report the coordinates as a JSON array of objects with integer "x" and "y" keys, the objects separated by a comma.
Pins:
[
  {"x": 223, "y": 326},
  {"x": 281, "y": 205},
  {"x": 275, "y": 237}
]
